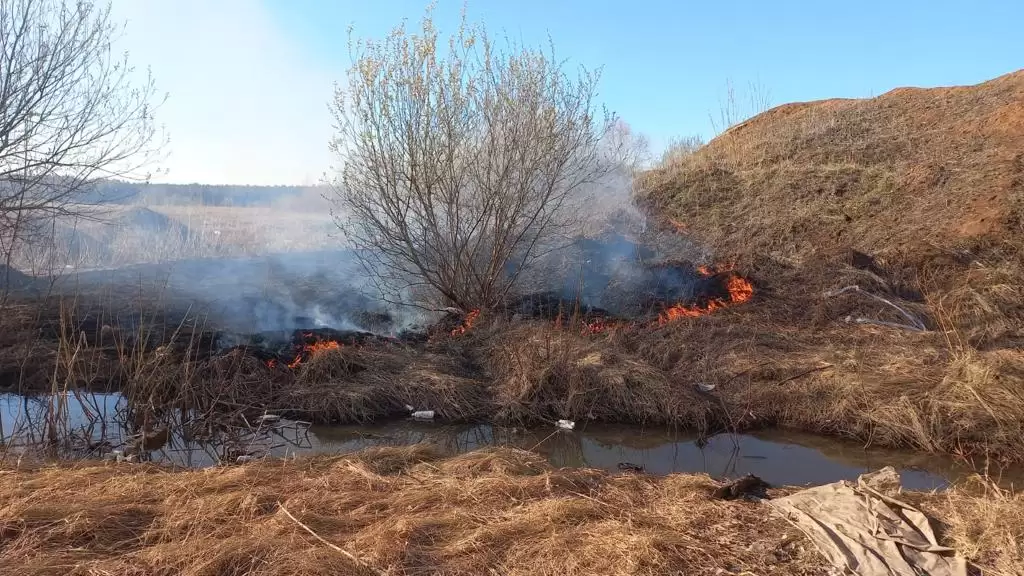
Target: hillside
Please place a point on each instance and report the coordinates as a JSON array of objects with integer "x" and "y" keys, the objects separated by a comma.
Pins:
[
  {"x": 917, "y": 194},
  {"x": 913, "y": 167}
]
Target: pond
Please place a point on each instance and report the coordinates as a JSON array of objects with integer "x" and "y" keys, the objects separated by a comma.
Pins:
[{"x": 92, "y": 425}]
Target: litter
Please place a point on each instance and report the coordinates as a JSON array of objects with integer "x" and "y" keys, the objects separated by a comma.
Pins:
[
  {"x": 862, "y": 531},
  {"x": 565, "y": 424},
  {"x": 705, "y": 387},
  {"x": 423, "y": 415}
]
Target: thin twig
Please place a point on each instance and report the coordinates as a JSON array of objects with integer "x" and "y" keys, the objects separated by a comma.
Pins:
[
  {"x": 804, "y": 373},
  {"x": 884, "y": 323},
  {"x": 339, "y": 549}
]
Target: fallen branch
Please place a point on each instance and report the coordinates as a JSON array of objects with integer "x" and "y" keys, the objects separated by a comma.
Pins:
[
  {"x": 339, "y": 549},
  {"x": 915, "y": 325}
]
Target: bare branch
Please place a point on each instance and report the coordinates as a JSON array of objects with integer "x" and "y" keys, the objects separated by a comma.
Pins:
[
  {"x": 462, "y": 160},
  {"x": 70, "y": 113}
]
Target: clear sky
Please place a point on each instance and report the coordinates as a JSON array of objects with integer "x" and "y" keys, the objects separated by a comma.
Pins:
[{"x": 249, "y": 80}]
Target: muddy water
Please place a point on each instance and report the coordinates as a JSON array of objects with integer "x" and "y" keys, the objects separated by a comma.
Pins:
[{"x": 90, "y": 425}]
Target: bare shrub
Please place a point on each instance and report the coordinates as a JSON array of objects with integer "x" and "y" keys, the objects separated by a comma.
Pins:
[
  {"x": 70, "y": 113},
  {"x": 680, "y": 148},
  {"x": 464, "y": 163}
]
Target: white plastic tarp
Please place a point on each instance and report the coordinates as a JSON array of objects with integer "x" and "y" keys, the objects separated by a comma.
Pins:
[{"x": 865, "y": 532}]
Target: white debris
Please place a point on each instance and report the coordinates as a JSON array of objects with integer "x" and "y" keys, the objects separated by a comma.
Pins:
[
  {"x": 423, "y": 415},
  {"x": 244, "y": 458},
  {"x": 565, "y": 424},
  {"x": 410, "y": 408},
  {"x": 705, "y": 387},
  {"x": 268, "y": 418}
]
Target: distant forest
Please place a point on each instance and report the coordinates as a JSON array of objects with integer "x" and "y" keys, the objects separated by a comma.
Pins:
[{"x": 118, "y": 192}]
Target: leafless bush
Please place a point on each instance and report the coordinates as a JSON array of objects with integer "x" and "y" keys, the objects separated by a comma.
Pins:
[
  {"x": 70, "y": 113},
  {"x": 680, "y": 148},
  {"x": 463, "y": 164}
]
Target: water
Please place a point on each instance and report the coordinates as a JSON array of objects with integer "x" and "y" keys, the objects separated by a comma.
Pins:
[{"x": 781, "y": 458}]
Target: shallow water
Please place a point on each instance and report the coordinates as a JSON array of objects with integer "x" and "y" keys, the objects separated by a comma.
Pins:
[{"x": 781, "y": 458}]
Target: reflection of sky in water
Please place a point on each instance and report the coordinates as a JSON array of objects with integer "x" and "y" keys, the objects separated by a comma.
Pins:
[{"x": 778, "y": 457}]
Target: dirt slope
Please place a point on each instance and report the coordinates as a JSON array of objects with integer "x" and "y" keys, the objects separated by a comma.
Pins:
[{"x": 910, "y": 168}]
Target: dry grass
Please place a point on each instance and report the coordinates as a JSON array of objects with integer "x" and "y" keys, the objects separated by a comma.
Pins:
[
  {"x": 916, "y": 197},
  {"x": 539, "y": 373},
  {"x": 769, "y": 367},
  {"x": 395, "y": 510},
  {"x": 984, "y": 523},
  {"x": 346, "y": 385},
  {"x": 875, "y": 174},
  {"x": 408, "y": 511}
]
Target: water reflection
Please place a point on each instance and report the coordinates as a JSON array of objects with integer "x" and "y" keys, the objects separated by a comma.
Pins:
[{"x": 97, "y": 424}]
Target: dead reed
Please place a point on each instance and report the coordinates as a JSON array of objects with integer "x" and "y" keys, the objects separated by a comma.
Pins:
[
  {"x": 390, "y": 511},
  {"x": 408, "y": 511}
]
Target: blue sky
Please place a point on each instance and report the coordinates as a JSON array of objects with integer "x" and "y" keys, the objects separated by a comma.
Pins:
[{"x": 252, "y": 77}]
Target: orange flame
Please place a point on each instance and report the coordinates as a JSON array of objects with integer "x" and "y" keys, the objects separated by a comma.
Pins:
[
  {"x": 313, "y": 349},
  {"x": 740, "y": 290},
  {"x": 271, "y": 363},
  {"x": 466, "y": 324},
  {"x": 597, "y": 326}
]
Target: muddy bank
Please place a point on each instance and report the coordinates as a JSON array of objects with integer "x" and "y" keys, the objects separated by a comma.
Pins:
[
  {"x": 407, "y": 510},
  {"x": 773, "y": 362}
]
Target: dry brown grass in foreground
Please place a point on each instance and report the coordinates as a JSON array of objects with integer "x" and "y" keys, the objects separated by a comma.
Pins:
[
  {"x": 984, "y": 523},
  {"x": 407, "y": 511},
  {"x": 397, "y": 511}
]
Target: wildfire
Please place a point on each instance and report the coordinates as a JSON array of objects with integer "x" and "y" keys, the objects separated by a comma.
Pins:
[
  {"x": 597, "y": 326},
  {"x": 466, "y": 324},
  {"x": 272, "y": 363},
  {"x": 313, "y": 349},
  {"x": 740, "y": 290}
]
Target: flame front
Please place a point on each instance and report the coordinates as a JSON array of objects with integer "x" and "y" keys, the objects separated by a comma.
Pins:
[
  {"x": 466, "y": 324},
  {"x": 309, "y": 350},
  {"x": 740, "y": 290}
]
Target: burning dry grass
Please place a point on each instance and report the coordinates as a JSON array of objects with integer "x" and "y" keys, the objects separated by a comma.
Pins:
[
  {"x": 408, "y": 511},
  {"x": 905, "y": 211}
]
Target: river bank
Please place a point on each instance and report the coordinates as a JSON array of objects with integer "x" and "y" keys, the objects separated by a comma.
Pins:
[{"x": 409, "y": 510}]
